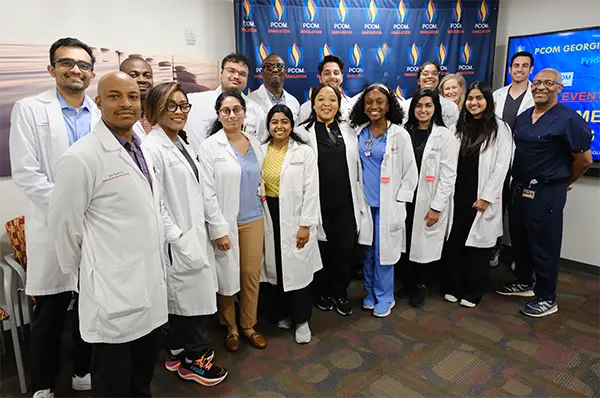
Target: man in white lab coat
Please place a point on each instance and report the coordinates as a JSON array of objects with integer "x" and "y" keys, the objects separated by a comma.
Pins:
[
  {"x": 141, "y": 72},
  {"x": 105, "y": 215},
  {"x": 271, "y": 92},
  {"x": 235, "y": 69},
  {"x": 42, "y": 129}
]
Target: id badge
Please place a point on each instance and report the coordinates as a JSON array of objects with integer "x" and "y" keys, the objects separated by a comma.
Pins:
[
  {"x": 528, "y": 193},
  {"x": 430, "y": 170},
  {"x": 385, "y": 180}
]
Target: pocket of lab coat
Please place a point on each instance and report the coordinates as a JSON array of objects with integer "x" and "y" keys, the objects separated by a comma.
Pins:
[
  {"x": 398, "y": 216},
  {"x": 121, "y": 290},
  {"x": 187, "y": 253}
]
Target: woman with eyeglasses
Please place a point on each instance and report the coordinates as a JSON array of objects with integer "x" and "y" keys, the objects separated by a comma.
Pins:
[
  {"x": 191, "y": 277},
  {"x": 340, "y": 191},
  {"x": 453, "y": 87},
  {"x": 427, "y": 221},
  {"x": 232, "y": 161},
  {"x": 485, "y": 153},
  {"x": 291, "y": 219},
  {"x": 389, "y": 175},
  {"x": 428, "y": 76}
]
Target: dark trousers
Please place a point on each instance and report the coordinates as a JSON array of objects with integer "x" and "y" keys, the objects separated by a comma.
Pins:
[
  {"x": 412, "y": 274},
  {"x": 337, "y": 253},
  {"x": 536, "y": 227},
  {"x": 295, "y": 304},
  {"x": 46, "y": 330},
  {"x": 127, "y": 369},
  {"x": 189, "y": 333},
  {"x": 466, "y": 269}
]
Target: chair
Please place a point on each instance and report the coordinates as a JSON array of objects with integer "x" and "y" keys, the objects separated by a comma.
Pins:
[{"x": 14, "y": 288}]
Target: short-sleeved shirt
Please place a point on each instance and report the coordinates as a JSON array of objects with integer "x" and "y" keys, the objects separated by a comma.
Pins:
[
  {"x": 371, "y": 165},
  {"x": 511, "y": 109},
  {"x": 272, "y": 169},
  {"x": 543, "y": 150},
  {"x": 250, "y": 198}
]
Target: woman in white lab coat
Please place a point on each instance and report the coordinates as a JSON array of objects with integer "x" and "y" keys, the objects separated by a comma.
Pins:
[
  {"x": 485, "y": 154},
  {"x": 291, "y": 219},
  {"x": 340, "y": 196},
  {"x": 231, "y": 161},
  {"x": 389, "y": 175},
  {"x": 192, "y": 281},
  {"x": 427, "y": 221}
]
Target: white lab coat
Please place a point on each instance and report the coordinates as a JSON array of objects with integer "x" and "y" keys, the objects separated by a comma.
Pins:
[
  {"x": 38, "y": 138},
  {"x": 400, "y": 170},
  {"x": 106, "y": 222},
  {"x": 298, "y": 206},
  {"x": 203, "y": 115},
  {"x": 354, "y": 171},
  {"x": 450, "y": 111},
  {"x": 261, "y": 97},
  {"x": 345, "y": 109},
  {"x": 440, "y": 160},
  {"x": 191, "y": 275},
  {"x": 500, "y": 100},
  {"x": 222, "y": 177},
  {"x": 493, "y": 166},
  {"x": 138, "y": 130}
]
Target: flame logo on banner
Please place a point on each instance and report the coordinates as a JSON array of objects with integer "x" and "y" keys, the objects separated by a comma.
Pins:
[
  {"x": 295, "y": 55},
  {"x": 262, "y": 53},
  {"x": 249, "y": 91},
  {"x": 356, "y": 55},
  {"x": 399, "y": 92},
  {"x": 520, "y": 48},
  {"x": 278, "y": 9},
  {"x": 401, "y": 11},
  {"x": 247, "y": 9},
  {"x": 465, "y": 53},
  {"x": 382, "y": 53},
  {"x": 326, "y": 51},
  {"x": 372, "y": 11},
  {"x": 430, "y": 11},
  {"x": 342, "y": 11},
  {"x": 482, "y": 12},
  {"x": 310, "y": 10},
  {"x": 414, "y": 55},
  {"x": 310, "y": 93},
  {"x": 442, "y": 54},
  {"x": 457, "y": 11}
]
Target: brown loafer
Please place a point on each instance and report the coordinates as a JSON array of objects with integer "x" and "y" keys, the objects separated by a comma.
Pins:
[
  {"x": 257, "y": 340},
  {"x": 232, "y": 342}
]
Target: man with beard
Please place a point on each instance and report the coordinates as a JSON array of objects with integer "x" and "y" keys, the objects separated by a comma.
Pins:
[
  {"x": 271, "y": 92},
  {"x": 42, "y": 129},
  {"x": 141, "y": 72}
]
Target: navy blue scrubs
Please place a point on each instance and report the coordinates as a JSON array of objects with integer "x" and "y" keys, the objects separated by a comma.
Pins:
[{"x": 541, "y": 168}]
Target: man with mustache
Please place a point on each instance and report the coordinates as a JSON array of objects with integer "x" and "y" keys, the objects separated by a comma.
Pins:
[
  {"x": 42, "y": 129},
  {"x": 552, "y": 151},
  {"x": 141, "y": 72}
]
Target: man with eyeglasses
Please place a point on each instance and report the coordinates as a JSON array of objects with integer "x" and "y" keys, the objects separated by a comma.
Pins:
[
  {"x": 552, "y": 151},
  {"x": 141, "y": 71},
  {"x": 42, "y": 129},
  {"x": 271, "y": 92},
  {"x": 234, "y": 77}
]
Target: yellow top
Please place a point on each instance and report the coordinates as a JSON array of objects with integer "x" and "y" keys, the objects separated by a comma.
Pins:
[{"x": 272, "y": 169}]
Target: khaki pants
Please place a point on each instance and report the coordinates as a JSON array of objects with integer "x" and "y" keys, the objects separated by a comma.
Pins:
[{"x": 251, "y": 237}]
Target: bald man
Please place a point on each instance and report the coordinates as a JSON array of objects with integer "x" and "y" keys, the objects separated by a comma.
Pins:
[
  {"x": 552, "y": 151},
  {"x": 105, "y": 216},
  {"x": 141, "y": 71}
]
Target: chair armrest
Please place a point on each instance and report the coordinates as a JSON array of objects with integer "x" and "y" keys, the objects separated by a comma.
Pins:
[{"x": 14, "y": 264}]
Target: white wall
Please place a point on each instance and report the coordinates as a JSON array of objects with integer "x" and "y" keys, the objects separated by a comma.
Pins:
[{"x": 521, "y": 17}]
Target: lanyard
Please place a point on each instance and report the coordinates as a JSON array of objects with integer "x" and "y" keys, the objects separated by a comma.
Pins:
[{"x": 371, "y": 143}]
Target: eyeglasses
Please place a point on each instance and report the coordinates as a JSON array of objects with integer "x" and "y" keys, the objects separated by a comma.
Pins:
[
  {"x": 274, "y": 67},
  {"x": 237, "y": 110},
  {"x": 172, "y": 107},
  {"x": 427, "y": 73},
  {"x": 232, "y": 71},
  {"x": 69, "y": 63},
  {"x": 546, "y": 83}
]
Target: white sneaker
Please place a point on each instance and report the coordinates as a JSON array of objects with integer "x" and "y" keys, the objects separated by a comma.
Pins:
[
  {"x": 285, "y": 324},
  {"x": 467, "y": 303},
  {"x": 450, "y": 298},
  {"x": 43, "y": 394},
  {"x": 303, "y": 334},
  {"x": 82, "y": 383}
]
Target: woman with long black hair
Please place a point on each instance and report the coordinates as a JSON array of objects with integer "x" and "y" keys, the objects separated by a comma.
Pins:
[{"x": 485, "y": 154}]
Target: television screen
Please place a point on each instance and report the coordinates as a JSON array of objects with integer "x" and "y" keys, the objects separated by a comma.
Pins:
[{"x": 576, "y": 54}]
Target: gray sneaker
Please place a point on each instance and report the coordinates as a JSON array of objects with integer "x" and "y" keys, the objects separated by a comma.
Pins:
[{"x": 516, "y": 289}]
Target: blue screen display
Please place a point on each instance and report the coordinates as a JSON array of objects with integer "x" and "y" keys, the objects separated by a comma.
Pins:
[{"x": 576, "y": 54}]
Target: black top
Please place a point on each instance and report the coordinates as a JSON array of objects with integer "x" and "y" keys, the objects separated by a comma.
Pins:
[
  {"x": 419, "y": 140},
  {"x": 334, "y": 179},
  {"x": 187, "y": 156},
  {"x": 467, "y": 176},
  {"x": 511, "y": 108}
]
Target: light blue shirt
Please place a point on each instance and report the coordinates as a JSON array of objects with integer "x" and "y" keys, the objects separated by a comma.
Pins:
[
  {"x": 274, "y": 100},
  {"x": 371, "y": 165},
  {"x": 250, "y": 196},
  {"x": 77, "y": 121}
]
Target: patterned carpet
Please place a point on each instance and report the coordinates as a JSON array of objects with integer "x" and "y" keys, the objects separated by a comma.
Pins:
[{"x": 440, "y": 350}]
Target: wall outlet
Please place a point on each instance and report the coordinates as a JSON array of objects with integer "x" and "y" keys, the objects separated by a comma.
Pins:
[{"x": 190, "y": 37}]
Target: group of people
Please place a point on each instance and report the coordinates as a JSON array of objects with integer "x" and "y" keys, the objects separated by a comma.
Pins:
[{"x": 160, "y": 207}]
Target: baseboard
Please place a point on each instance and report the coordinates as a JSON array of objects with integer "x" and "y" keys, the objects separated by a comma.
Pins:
[{"x": 571, "y": 265}]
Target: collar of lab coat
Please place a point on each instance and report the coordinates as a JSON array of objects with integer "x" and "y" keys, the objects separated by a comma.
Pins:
[
  {"x": 292, "y": 145},
  {"x": 161, "y": 136},
  {"x": 106, "y": 137},
  {"x": 221, "y": 137},
  {"x": 392, "y": 128}
]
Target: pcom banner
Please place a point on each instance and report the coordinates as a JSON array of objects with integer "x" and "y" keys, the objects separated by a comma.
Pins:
[{"x": 379, "y": 40}]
